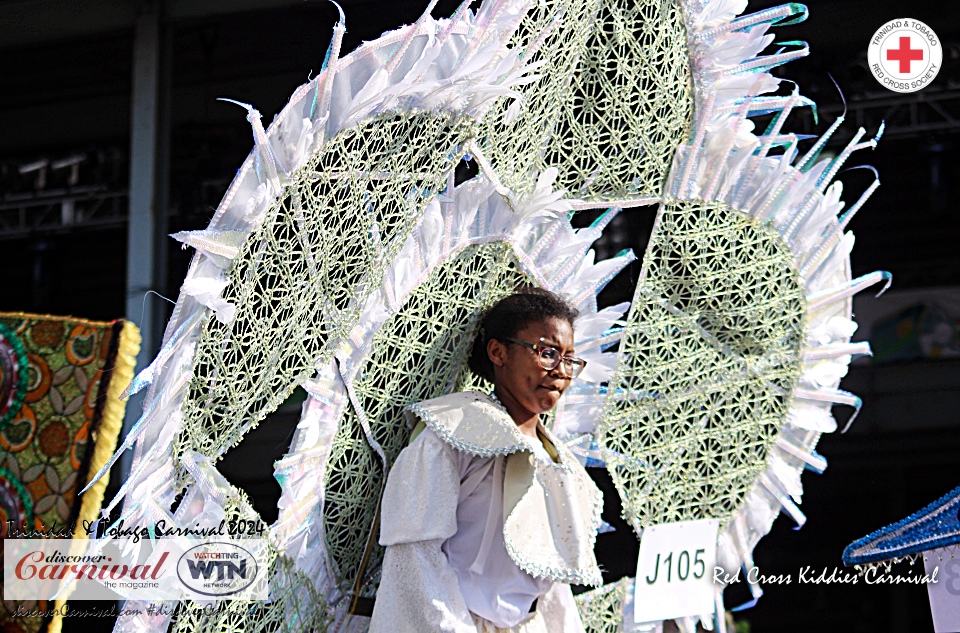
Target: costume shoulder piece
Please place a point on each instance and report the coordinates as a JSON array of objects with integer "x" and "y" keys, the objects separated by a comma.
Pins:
[
  {"x": 558, "y": 499},
  {"x": 471, "y": 422},
  {"x": 540, "y": 498}
]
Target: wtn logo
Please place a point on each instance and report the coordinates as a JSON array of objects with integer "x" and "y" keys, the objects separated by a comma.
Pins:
[{"x": 223, "y": 568}]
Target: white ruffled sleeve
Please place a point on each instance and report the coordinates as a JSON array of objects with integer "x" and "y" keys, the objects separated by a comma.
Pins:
[
  {"x": 419, "y": 590},
  {"x": 423, "y": 489}
]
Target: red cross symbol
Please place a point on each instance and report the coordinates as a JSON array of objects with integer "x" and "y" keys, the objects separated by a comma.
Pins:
[{"x": 905, "y": 54}]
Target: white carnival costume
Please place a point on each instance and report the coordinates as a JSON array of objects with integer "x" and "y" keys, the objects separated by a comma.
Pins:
[
  {"x": 345, "y": 259},
  {"x": 480, "y": 522}
]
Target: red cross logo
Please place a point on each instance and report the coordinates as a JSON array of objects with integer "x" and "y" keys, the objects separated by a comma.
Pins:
[{"x": 905, "y": 54}]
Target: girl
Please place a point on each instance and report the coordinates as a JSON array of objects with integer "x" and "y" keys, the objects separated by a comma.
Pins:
[{"x": 486, "y": 517}]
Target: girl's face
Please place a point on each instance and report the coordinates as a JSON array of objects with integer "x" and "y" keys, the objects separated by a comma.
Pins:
[{"x": 518, "y": 375}]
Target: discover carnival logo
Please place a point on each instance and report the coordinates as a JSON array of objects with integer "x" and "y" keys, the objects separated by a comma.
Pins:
[
  {"x": 905, "y": 55},
  {"x": 144, "y": 569},
  {"x": 58, "y": 565}
]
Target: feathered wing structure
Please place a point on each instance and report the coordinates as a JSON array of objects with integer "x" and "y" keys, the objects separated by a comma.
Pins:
[
  {"x": 740, "y": 327},
  {"x": 934, "y": 527},
  {"x": 333, "y": 261}
]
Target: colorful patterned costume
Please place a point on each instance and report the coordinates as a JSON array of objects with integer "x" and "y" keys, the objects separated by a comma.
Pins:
[{"x": 60, "y": 416}]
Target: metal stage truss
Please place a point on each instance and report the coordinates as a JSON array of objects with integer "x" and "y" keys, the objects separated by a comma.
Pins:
[
  {"x": 911, "y": 115},
  {"x": 61, "y": 210}
]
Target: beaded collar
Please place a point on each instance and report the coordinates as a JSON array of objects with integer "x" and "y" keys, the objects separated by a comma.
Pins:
[{"x": 479, "y": 424}]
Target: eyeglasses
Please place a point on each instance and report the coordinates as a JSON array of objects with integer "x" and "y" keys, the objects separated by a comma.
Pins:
[{"x": 550, "y": 358}]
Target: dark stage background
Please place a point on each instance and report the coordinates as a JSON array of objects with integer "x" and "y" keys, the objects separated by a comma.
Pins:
[{"x": 67, "y": 104}]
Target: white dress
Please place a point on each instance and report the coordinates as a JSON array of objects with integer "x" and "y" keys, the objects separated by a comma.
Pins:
[{"x": 453, "y": 563}]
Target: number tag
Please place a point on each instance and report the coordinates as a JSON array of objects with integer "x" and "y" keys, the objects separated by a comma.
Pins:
[
  {"x": 675, "y": 570},
  {"x": 945, "y": 592}
]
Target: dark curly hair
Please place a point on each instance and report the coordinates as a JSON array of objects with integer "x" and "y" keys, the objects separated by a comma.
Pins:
[{"x": 510, "y": 315}]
